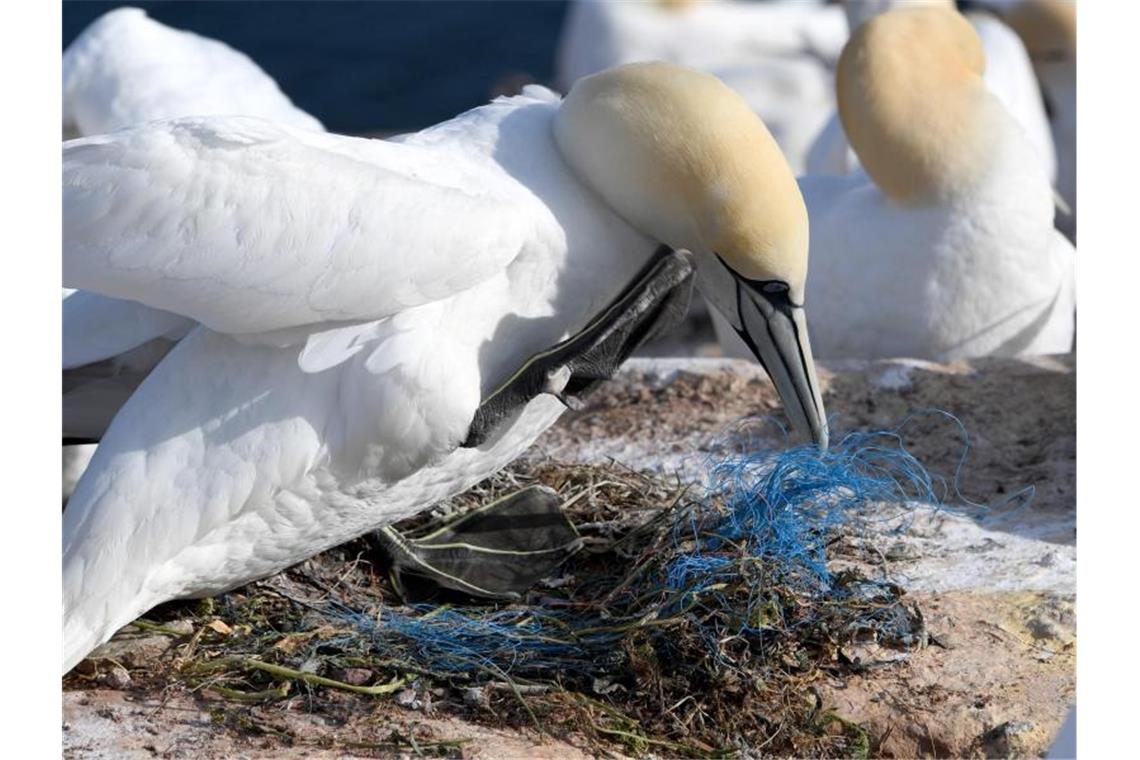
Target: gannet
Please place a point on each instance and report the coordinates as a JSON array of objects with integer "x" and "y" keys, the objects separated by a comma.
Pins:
[
  {"x": 942, "y": 246},
  {"x": 1008, "y": 75},
  {"x": 778, "y": 56},
  {"x": 1049, "y": 30},
  {"x": 125, "y": 69},
  {"x": 363, "y": 303}
]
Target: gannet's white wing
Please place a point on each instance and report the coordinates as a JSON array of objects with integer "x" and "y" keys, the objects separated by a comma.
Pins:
[
  {"x": 96, "y": 327},
  {"x": 126, "y": 69},
  {"x": 248, "y": 226}
]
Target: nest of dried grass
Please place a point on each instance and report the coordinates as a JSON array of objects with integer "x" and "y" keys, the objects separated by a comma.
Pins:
[{"x": 691, "y": 624}]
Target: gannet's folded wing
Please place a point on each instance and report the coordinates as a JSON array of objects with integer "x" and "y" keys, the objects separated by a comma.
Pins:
[
  {"x": 96, "y": 327},
  {"x": 126, "y": 69},
  {"x": 248, "y": 226}
]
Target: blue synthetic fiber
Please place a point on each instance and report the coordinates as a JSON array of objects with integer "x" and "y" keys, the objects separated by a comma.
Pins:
[
  {"x": 777, "y": 506},
  {"x": 780, "y": 505},
  {"x": 457, "y": 641}
]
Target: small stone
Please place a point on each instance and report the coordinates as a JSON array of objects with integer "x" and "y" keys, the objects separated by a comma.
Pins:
[
  {"x": 1042, "y": 628},
  {"x": 1006, "y": 740},
  {"x": 901, "y": 551},
  {"x": 355, "y": 676},
  {"x": 116, "y": 677},
  {"x": 184, "y": 626},
  {"x": 407, "y": 698},
  {"x": 475, "y": 696},
  {"x": 134, "y": 651}
]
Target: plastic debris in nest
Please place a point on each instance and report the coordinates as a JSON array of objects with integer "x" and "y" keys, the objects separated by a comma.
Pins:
[
  {"x": 712, "y": 566},
  {"x": 693, "y": 622}
]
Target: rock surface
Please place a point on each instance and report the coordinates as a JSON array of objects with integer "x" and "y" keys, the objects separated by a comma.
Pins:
[{"x": 996, "y": 584}]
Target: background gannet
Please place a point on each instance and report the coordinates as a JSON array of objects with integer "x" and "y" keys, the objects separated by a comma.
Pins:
[
  {"x": 1008, "y": 75},
  {"x": 778, "y": 56},
  {"x": 126, "y": 69},
  {"x": 1049, "y": 30},
  {"x": 944, "y": 247},
  {"x": 359, "y": 298}
]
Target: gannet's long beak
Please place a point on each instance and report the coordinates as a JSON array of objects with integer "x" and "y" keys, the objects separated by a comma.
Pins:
[{"x": 775, "y": 329}]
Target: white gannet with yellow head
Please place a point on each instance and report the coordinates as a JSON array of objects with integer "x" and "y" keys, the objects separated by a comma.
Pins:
[
  {"x": 1008, "y": 75},
  {"x": 362, "y": 301},
  {"x": 944, "y": 248}
]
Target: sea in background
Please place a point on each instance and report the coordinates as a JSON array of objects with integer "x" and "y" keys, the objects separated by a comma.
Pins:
[{"x": 364, "y": 67}]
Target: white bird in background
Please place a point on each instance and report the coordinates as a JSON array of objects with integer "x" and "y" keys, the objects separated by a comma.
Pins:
[
  {"x": 945, "y": 247},
  {"x": 1008, "y": 75},
  {"x": 1049, "y": 30},
  {"x": 122, "y": 70},
  {"x": 126, "y": 69},
  {"x": 363, "y": 303},
  {"x": 778, "y": 56}
]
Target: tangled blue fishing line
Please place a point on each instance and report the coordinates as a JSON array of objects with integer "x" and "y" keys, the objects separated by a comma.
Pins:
[{"x": 765, "y": 520}]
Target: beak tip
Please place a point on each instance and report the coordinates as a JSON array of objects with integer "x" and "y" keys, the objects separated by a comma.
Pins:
[{"x": 822, "y": 438}]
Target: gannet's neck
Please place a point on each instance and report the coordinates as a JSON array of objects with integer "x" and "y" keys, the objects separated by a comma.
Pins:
[{"x": 914, "y": 105}]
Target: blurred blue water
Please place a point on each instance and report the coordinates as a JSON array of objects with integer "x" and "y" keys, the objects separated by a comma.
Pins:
[{"x": 364, "y": 66}]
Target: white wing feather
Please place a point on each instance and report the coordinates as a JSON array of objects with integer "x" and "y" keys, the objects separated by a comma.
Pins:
[
  {"x": 96, "y": 327},
  {"x": 126, "y": 69},
  {"x": 248, "y": 226}
]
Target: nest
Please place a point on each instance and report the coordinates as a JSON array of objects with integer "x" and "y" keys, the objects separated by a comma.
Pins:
[{"x": 694, "y": 624}]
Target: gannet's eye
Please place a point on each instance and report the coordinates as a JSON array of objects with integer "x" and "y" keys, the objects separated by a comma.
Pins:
[{"x": 775, "y": 286}]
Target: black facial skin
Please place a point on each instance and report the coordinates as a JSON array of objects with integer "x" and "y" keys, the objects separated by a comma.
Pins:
[{"x": 772, "y": 297}]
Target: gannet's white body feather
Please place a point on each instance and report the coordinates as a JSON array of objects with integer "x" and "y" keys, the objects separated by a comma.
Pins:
[
  {"x": 359, "y": 298},
  {"x": 988, "y": 275},
  {"x": 778, "y": 56},
  {"x": 123, "y": 70},
  {"x": 1049, "y": 31},
  {"x": 126, "y": 69},
  {"x": 1008, "y": 75}
]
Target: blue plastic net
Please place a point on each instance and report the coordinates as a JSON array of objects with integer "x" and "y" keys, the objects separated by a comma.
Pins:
[{"x": 746, "y": 559}]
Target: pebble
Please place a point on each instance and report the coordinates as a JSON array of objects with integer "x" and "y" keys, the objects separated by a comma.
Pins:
[{"x": 116, "y": 677}]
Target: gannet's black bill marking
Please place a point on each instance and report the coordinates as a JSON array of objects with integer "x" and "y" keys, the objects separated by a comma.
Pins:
[
  {"x": 497, "y": 551},
  {"x": 655, "y": 301},
  {"x": 775, "y": 331}
]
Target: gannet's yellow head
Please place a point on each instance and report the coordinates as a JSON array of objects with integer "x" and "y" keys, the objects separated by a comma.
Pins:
[
  {"x": 913, "y": 103},
  {"x": 683, "y": 158},
  {"x": 1047, "y": 27}
]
